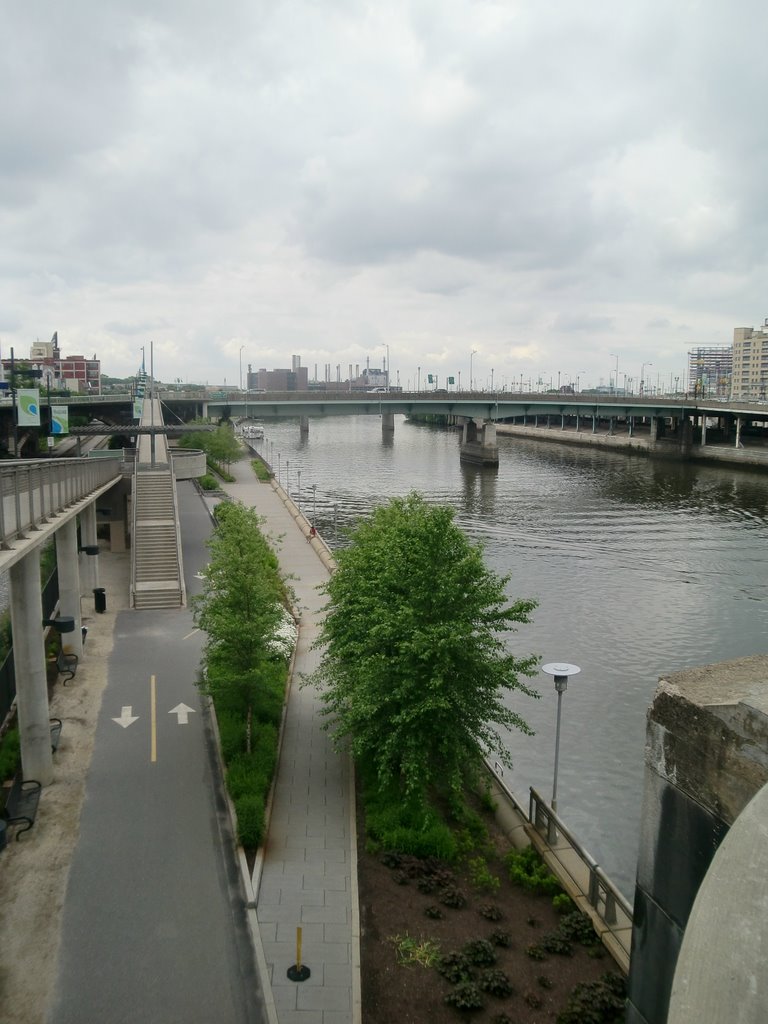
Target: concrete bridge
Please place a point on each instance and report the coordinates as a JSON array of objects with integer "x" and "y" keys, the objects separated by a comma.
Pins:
[{"x": 670, "y": 424}]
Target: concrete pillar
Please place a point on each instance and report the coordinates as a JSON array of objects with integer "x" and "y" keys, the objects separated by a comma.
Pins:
[
  {"x": 387, "y": 423},
  {"x": 703, "y": 430},
  {"x": 654, "y": 431},
  {"x": 478, "y": 443},
  {"x": 630, "y": 425},
  {"x": 611, "y": 425},
  {"x": 738, "y": 432},
  {"x": 89, "y": 564},
  {"x": 304, "y": 426},
  {"x": 29, "y": 662},
  {"x": 722, "y": 961},
  {"x": 547, "y": 421},
  {"x": 577, "y": 421},
  {"x": 594, "y": 423},
  {"x": 562, "y": 421},
  {"x": 706, "y": 756},
  {"x": 69, "y": 585}
]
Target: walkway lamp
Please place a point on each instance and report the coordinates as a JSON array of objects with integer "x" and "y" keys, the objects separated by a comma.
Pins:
[
  {"x": 279, "y": 470},
  {"x": 335, "y": 523},
  {"x": 314, "y": 502},
  {"x": 561, "y": 671},
  {"x": 642, "y": 376},
  {"x": 288, "y": 477},
  {"x": 471, "y": 381},
  {"x": 298, "y": 498}
]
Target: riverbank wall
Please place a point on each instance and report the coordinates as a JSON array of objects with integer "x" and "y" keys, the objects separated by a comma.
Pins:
[{"x": 665, "y": 448}]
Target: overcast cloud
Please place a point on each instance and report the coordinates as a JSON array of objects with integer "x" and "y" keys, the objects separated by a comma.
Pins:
[{"x": 551, "y": 185}]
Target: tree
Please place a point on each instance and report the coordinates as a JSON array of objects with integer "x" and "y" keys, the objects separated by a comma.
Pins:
[
  {"x": 414, "y": 664},
  {"x": 240, "y": 609}
]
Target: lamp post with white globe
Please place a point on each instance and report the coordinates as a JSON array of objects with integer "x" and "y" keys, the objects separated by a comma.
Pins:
[{"x": 561, "y": 671}]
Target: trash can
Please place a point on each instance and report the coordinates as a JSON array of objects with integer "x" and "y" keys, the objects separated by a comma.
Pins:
[
  {"x": 3, "y": 835},
  {"x": 100, "y": 599}
]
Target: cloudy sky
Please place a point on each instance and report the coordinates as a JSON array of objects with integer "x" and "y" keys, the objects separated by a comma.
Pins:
[{"x": 550, "y": 185}]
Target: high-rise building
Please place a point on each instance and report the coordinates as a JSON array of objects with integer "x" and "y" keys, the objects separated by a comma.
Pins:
[
  {"x": 750, "y": 362},
  {"x": 709, "y": 371}
]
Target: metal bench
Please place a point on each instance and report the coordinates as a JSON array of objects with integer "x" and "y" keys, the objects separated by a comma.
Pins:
[
  {"x": 67, "y": 665},
  {"x": 21, "y": 804},
  {"x": 55, "y": 734}
]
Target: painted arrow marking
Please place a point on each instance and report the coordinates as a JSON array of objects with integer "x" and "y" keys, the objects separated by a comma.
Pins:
[
  {"x": 127, "y": 717},
  {"x": 183, "y": 712}
]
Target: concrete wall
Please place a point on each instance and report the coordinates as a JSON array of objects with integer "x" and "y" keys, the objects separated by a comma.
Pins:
[{"x": 706, "y": 757}]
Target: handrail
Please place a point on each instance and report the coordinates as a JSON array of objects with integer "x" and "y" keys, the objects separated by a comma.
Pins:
[
  {"x": 33, "y": 490},
  {"x": 611, "y": 912},
  {"x": 601, "y": 888}
]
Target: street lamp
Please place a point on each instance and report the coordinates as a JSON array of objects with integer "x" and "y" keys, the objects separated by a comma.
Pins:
[
  {"x": 388, "y": 366},
  {"x": 298, "y": 500},
  {"x": 642, "y": 376},
  {"x": 314, "y": 503},
  {"x": 241, "y": 366},
  {"x": 616, "y": 378},
  {"x": 471, "y": 382},
  {"x": 560, "y": 671}
]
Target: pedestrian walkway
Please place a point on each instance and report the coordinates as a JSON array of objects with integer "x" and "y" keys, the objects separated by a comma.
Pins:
[{"x": 306, "y": 875}]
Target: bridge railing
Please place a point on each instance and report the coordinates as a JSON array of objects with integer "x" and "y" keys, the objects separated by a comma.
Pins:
[{"x": 33, "y": 490}]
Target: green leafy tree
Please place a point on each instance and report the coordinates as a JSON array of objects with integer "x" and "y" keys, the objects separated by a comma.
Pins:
[
  {"x": 415, "y": 664},
  {"x": 240, "y": 609}
]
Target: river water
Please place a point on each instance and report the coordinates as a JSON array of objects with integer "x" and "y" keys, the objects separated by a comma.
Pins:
[{"x": 640, "y": 568}]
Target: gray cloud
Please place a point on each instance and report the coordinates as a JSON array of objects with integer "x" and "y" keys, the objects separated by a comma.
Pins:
[{"x": 316, "y": 178}]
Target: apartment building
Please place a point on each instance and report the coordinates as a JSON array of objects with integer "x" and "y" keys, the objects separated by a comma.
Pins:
[{"x": 750, "y": 363}]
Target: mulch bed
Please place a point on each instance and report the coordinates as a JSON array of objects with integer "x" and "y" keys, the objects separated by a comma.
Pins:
[{"x": 394, "y": 920}]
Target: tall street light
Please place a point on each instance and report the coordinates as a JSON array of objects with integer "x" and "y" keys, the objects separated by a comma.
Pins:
[
  {"x": 616, "y": 378},
  {"x": 388, "y": 367},
  {"x": 642, "y": 376},
  {"x": 471, "y": 382},
  {"x": 560, "y": 670},
  {"x": 241, "y": 366}
]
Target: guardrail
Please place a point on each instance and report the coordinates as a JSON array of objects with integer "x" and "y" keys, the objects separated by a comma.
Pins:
[
  {"x": 609, "y": 904},
  {"x": 33, "y": 490},
  {"x": 581, "y": 877}
]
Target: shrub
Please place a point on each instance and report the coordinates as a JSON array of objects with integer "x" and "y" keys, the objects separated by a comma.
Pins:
[
  {"x": 262, "y": 471},
  {"x": 496, "y": 983},
  {"x": 490, "y": 912},
  {"x": 452, "y": 897},
  {"x": 231, "y": 734},
  {"x": 466, "y": 996},
  {"x": 480, "y": 952},
  {"x": 481, "y": 877},
  {"x": 596, "y": 1002},
  {"x": 250, "y": 819},
  {"x": 244, "y": 777},
  {"x": 501, "y": 938},
  {"x": 454, "y": 967},
  {"x": 10, "y": 755},
  {"x": 563, "y": 903},
  {"x": 208, "y": 482},
  {"x": 527, "y": 869},
  {"x": 578, "y": 927}
]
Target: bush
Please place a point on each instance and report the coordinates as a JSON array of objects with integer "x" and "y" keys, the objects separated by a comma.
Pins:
[
  {"x": 208, "y": 482},
  {"x": 396, "y": 825},
  {"x": 596, "y": 1002},
  {"x": 526, "y": 868},
  {"x": 466, "y": 996},
  {"x": 578, "y": 927},
  {"x": 480, "y": 952},
  {"x": 10, "y": 755},
  {"x": 454, "y": 967},
  {"x": 231, "y": 734},
  {"x": 250, "y": 819},
  {"x": 496, "y": 983}
]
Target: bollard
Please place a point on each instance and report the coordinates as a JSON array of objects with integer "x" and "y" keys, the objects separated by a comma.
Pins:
[
  {"x": 299, "y": 971},
  {"x": 100, "y": 599}
]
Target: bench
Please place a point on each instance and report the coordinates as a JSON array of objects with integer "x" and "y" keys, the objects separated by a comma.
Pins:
[
  {"x": 55, "y": 734},
  {"x": 21, "y": 804},
  {"x": 67, "y": 665}
]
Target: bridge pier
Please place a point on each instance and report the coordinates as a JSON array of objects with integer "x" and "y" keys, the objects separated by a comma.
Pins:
[
  {"x": 89, "y": 565},
  {"x": 69, "y": 585},
  {"x": 304, "y": 426},
  {"x": 387, "y": 423},
  {"x": 478, "y": 443},
  {"x": 29, "y": 660}
]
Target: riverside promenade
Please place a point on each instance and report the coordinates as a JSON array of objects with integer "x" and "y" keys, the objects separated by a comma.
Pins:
[{"x": 306, "y": 874}]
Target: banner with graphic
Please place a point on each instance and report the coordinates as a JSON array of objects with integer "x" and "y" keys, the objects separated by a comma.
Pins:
[
  {"x": 29, "y": 407},
  {"x": 59, "y": 419},
  {"x": 138, "y": 405}
]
